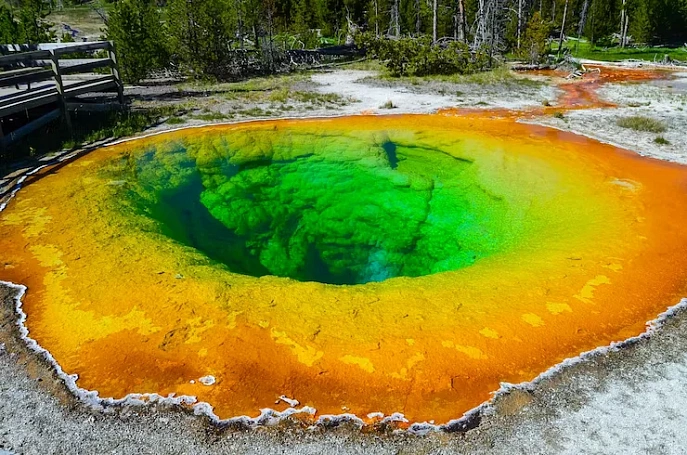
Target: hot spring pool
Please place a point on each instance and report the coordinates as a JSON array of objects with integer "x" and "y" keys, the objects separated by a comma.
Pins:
[
  {"x": 363, "y": 264},
  {"x": 349, "y": 209}
]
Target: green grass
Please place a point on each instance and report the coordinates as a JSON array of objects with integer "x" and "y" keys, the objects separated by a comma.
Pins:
[
  {"x": 82, "y": 18},
  {"x": 88, "y": 127},
  {"x": 283, "y": 95},
  {"x": 254, "y": 112},
  {"x": 280, "y": 89},
  {"x": 279, "y": 95},
  {"x": 499, "y": 75},
  {"x": 660, "y": 140},
  {"x": 365, "y": 65},
  {"x": 175, "y": 121},
  {"x": 122, "y": 124},
  {"x": 318, "y": 98},
  {"x": 211, "y": 116},
  {"x": 257, "y": 84},
  {"x": 642, "y": 123},
  {"x": 584, "y": 49}
]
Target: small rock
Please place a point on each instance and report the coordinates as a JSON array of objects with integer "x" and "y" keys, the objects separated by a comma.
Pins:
[{"x": 207, "y": 380}]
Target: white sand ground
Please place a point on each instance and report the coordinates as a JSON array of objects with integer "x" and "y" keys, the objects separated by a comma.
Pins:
[
  {"x": 665, "y": 101},
  {"x": 408, "y": 98},
  {"x": 371, "y": 99},
  {"x": 630, "y": 401}
]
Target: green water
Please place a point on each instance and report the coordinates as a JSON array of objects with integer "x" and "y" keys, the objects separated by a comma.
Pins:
[{"x": 392, "y": 209}]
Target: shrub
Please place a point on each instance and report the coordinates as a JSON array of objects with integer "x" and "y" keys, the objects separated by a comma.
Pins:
[
  {"x": 421, "y": 57},
  {"x": 641, "y": 123},
  {"x": 660, "y": 140},
  {"x": 398, "y": 54},
  {"x": 368, "y": 43}
]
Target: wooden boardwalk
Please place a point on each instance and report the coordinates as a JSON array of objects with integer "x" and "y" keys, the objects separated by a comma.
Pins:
[{"x": 41, "y": 83}]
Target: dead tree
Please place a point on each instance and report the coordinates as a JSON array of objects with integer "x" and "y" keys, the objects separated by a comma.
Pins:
[
  {"x": 435, "y": 8},
  {"x": 270, "y": 9},
  {"x": 395, "y": 19},
  {"x": 519, "y": 21},
  {"x": 239, "y": 22},
  {"x": 565, "y": 14},
  {"x": 490, "y": 24},
  {"x": 481, "y": 33},
  {"x": 624, "y": 22},
  {"x": 375, "y": 5},
  {"x": 583, "y": 18},
  {"x": 352, "y": 28},
  {"x": 418, "y": 18},
  {"x": 459, "y": 21}
]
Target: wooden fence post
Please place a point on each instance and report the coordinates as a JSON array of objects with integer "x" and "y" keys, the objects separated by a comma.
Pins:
[
  {"x": 2, "y": 139},
  {"x": 115, "y": 72},
  {"x": 55, "y": 63}
]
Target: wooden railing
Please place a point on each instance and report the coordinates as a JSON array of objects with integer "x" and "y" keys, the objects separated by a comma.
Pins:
[{"x": 44, "y": 66}]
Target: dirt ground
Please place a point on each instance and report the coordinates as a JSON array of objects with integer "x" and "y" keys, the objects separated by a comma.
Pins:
[{"x": 631, "y": 399}]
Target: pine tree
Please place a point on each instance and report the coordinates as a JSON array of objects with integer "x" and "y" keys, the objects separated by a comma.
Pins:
[
  {"x": 534, "y": 43},
  {"x": 135, "y": 26},
  {"x": 640, "y": 27},
  {"x": 9, "y": 28},
  {"x": 202, "y": 32},
  {"x": 27, "y": 22}
]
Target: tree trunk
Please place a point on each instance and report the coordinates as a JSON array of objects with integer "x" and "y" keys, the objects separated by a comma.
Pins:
[
  {"x": 481, "y": 34},
  {"x": 560, "y": 41},
  {"x": 622, "y": 24},
  {"x": 395, "y": 19},
  {"x": 193, "y": 39},
  {"x": 627, "y": 23},
  {"x": 435, "y": 7},
  {"x": 593, "y": 23},
  {"x": 418, "y": 18},
  {"x": 269, "y": 11},
  {"x": 519, "y": 21},
  {"x": 583, "y": 18},
  {"x": 492, "y": 33},
  {"x": 239, "y": 22},
  {"x": 459, "y": 33}
]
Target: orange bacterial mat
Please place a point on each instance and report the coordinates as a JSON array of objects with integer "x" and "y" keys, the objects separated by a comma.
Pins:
[{"x": 452, "y": 254}]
